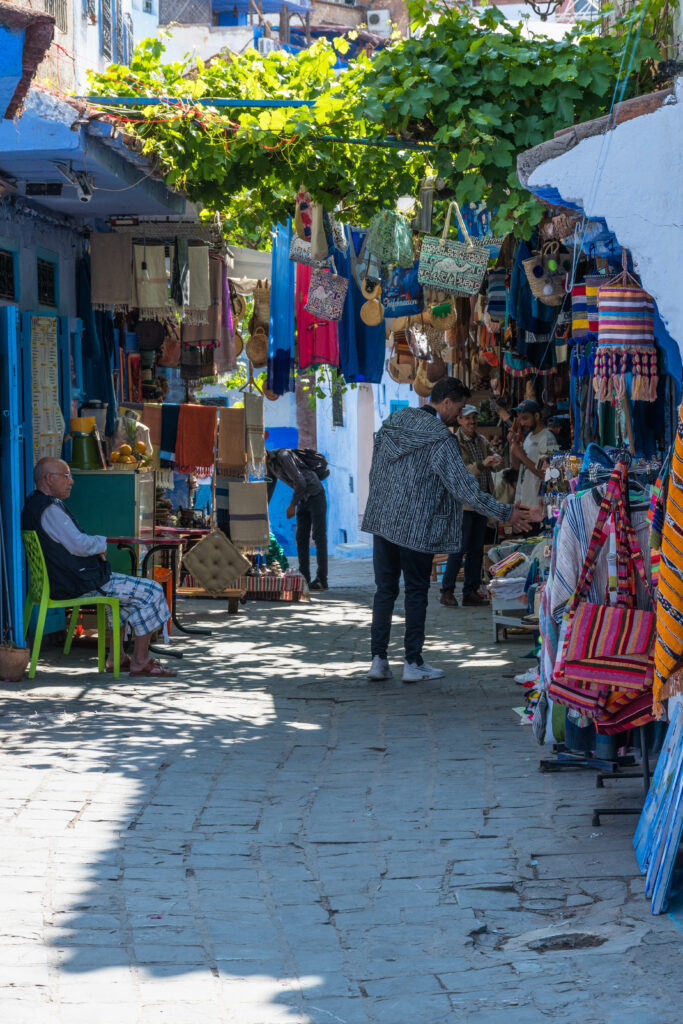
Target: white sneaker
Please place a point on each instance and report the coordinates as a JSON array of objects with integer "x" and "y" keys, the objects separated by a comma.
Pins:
[
  {"x": 380, "y": 669},
  {"x": 527, "y": 677},
  {"x": 413, "y": 673}
]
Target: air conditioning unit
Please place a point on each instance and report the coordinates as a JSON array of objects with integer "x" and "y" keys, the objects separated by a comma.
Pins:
[
  {"x": 265, "y": 45},
  {"x": 379, "y": 22}
]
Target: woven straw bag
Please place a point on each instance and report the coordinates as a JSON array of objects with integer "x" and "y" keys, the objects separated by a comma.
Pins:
[
  {"x": 422, "y": 385},
  {"x": 547, "y": 275}
]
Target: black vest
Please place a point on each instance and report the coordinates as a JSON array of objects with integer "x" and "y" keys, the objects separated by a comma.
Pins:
[{"x": 69, "y": 575}]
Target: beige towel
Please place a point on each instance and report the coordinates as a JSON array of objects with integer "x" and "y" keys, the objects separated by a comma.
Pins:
[
  {"x": 249, "y": 527},
  {"x": 111, "y": 271},
  {"x": 151, "y": 284},
  {"x": 197, "y": 311},
  {"x": 256, "y": 445}
]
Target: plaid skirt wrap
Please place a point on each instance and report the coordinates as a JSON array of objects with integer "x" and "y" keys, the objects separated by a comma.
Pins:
[
  {"x": 142, "y": 602},
  {"x": 606, "y": 670},
  {"x": 669, "y": 643}
]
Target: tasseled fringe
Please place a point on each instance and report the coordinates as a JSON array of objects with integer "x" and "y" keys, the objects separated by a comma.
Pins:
[
  {"x": 611, "y": 367},
  {"x": 154, "y": 312},
  {"x": 195, "y": 316},
  {"x": 249, "y": 549},
  {"x": 195, "y": 470},
  {"x": 231, "y": 472}
]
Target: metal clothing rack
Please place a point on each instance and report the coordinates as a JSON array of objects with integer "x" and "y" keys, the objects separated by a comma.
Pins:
[{"x": 644, "y": 775}]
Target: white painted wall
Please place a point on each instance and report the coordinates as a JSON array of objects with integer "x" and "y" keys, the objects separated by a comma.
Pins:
[
  {"x": 205, "y": 40},
  {"x": 30, "y": 237},
  {"x": 633, "y": 177}
]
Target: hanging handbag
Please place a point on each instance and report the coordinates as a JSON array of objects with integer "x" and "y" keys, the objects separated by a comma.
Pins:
[
  {"x": 372, "y": 310},
  {"x": 422, "y": 385},
  {"x": 607, "y": 658},
  {"x": 546, "y": 271},
  {"x": 390, "y": 239},
  {"x": 320, "y": 249},
  {"x": 626, "y": 340},
  {"x": 326, "y": 294},
  {"x": 300, "y": 252},
  {"x": 402, "y": 293},
  {"x": 417, "y": 339},
  {"x": 401, "y": 365},
  {"x": 364, "y": 266},
  {"x": 454, "y": 267}
]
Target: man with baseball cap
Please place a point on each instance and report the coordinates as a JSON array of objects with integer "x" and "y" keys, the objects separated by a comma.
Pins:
[
  {"x": 479, "y": 460},
  {"x": 528, "y": 444}
]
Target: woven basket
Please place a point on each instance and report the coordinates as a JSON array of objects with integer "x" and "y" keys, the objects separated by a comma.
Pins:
[{"x": 548, "y": 286}]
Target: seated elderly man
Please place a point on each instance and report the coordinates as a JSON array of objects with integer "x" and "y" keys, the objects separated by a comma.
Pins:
[{"x": 77, "y": 565}]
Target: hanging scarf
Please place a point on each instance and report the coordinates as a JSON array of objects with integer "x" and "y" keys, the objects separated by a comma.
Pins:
[
  {"x": 232, "y": 455},
  {"x": 180, "y": 276},
  {"x": 151, "y": 285},
  {"x": 197, "y": 309},
  {"x": 111, "y": 259},
  {"x": 196, "y": 445},
  {"x": 169, "y": 434},
  {"x": 249, "y": 528},
  {"x": 256, "y": 445}
]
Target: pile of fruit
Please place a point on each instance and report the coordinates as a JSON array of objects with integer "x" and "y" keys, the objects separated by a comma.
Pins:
[{"x": 127, "y": 456}]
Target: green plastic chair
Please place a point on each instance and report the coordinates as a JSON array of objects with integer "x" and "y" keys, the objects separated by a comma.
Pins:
[{"x": 39, "y": 594}]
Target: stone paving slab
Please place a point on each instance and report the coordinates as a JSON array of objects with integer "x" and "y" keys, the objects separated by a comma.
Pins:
[{"x": 271, "y": 839}]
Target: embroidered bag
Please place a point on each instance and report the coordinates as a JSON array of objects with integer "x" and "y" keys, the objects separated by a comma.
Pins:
[
  {"x": 300, "y": 252},
  {"x": 401, "y": 364},
  {"x": 450, "y": 266},
  {"x": 390, "y": 239},
  {"x": 626, "y": 340},
  {"x": 326, "y": 294},
  {"x": 608, "y": 651}
]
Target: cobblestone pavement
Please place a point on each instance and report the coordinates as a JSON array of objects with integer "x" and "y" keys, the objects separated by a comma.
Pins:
[{"x": 271, "y": 839}]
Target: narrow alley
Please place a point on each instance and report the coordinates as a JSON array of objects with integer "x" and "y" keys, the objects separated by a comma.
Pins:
[{"x": 271, "y": 839}]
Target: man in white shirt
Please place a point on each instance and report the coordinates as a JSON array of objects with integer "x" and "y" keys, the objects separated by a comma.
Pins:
[
  {"x": 77, "y": 565},
  {"x": 527, "y": 448}
]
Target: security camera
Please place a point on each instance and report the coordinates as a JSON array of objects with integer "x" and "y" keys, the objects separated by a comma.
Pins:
[
  {"x": 83, "y": 186},
  {"x": 81, "y": 181}
]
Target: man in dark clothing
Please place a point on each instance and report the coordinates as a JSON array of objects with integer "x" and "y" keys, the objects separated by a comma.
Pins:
[
  {"x": 418, "y": 486},
  {"x": 309, "y": 504},
  {"x": 77, "y": 566}
]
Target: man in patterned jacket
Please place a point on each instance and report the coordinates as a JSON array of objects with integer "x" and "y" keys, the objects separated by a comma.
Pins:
[{"x": 418, "y": 487}]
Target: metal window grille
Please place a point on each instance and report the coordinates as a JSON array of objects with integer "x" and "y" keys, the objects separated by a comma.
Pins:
[
  {"x": 128, "y": 36},
  {"x": 148, "y": 6},
  {"x": 120, "y": 51},
  {"x": 337, "y": 407},
  {"x": 59, "y": 9},
  {"x": 185, "y": 12},
  {"x": 47, "y": 283},
  {"x": 90, "y": 10},
  {"x": 106, "y": 43},
  {"x": 7, "y": 283}
]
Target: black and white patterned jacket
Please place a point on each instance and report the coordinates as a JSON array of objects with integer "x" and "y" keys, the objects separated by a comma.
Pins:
[{"x": 419, "y": 485}]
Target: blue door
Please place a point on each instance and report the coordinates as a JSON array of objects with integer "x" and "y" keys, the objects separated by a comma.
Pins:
[{"x": 12, "y": 442}]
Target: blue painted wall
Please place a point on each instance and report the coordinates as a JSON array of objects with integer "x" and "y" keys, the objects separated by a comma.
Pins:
[{"x": 12, "y": 50}]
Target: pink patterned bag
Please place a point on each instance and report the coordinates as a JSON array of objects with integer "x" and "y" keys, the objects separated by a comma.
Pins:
[{"x": 326, "y": 294}]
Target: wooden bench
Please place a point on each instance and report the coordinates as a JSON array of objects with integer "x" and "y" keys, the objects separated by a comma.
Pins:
[{"x": 233, "y": 594}]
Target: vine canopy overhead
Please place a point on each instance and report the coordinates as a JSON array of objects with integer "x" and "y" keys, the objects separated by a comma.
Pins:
[{"x": 460, "y": 98}]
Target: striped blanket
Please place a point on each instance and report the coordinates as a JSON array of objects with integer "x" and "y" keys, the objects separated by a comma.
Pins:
[{"x": 669, "y": 643}]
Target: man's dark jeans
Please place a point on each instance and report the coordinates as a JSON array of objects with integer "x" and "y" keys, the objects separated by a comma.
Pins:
[
  {"x": 312, "y": 515},
  {"x": 472, "y": 550},
  {"x": 390, "y": 561}
]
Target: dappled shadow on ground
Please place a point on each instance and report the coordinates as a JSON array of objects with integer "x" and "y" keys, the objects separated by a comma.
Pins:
[{"x": 268, "y": 837}]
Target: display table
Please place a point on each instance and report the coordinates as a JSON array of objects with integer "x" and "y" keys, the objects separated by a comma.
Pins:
[{"x": 290, "y": 587}]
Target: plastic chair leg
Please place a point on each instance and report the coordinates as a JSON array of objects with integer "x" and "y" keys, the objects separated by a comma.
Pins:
[
  {"x": 28, "y": 608},
  {"x": 37, "y": 641},
  {"x": 116, "y": 637},
  {"x": 101, "y": 639},
  {"x": 73, "y": 622}
]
